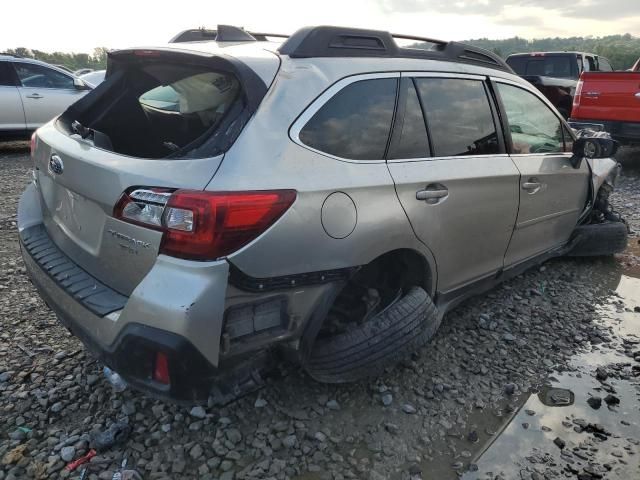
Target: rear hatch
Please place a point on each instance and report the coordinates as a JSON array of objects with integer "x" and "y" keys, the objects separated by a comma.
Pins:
[
  {"x": 162, "y": 119},
  {"x": 611, "y": 96}
]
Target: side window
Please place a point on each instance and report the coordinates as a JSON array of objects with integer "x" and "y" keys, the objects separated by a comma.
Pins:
[
  {"x": 6, "y": 78},
  {"x": 33, "y": 75},
  {"x": 592, "y": 64},
  {"x": 580, "y": 65},
  {"x": 410, "y": 139},
  {"x": 458, "y": 116},
  {"x": 534, "y": 127},
  {"x": 355, "y": 122},
  {"x": 604, "y": 65}
]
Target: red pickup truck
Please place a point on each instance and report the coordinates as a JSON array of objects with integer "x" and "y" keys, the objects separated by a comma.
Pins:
[{"x": 609, "y": 101}]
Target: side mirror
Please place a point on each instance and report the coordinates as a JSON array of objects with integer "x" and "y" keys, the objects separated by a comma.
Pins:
[
  {"x": 80, "y": 85},
  {"x": 593, "y": 147}
]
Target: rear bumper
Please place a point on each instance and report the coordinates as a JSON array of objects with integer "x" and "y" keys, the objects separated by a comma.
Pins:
[
  {"x": 181, "y": 317},
  {"x": 625, "y": 132}
]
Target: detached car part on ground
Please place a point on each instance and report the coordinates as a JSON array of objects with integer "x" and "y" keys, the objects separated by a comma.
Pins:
[{"x": 329, "y": 198}]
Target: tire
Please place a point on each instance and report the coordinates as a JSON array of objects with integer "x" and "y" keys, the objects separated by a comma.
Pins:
[
  {"x": 600, "y": 239},
  {"x": 380, "y": 342}
]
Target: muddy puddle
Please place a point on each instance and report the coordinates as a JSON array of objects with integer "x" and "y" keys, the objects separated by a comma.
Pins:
[{"x": 593, "y": 434}]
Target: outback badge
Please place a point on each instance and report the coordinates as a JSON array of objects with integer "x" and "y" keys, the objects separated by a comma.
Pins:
[{"x": 55, "y": 165}]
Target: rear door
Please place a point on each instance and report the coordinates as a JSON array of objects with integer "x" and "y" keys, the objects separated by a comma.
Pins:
[
  {"x": 457, "y": 185},
  {"x": 552, "y": 193},
  {"x": 45, "y": 92},
  {"x": 11, "y": 111}
]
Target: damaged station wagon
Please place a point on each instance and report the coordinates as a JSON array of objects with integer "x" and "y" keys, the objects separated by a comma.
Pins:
[{"x": 327, "y": 198}]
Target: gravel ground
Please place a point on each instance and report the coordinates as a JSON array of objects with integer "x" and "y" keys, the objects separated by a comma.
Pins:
[{"x": 431, "y": 417}]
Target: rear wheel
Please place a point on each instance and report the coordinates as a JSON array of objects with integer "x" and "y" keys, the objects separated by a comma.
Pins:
[
  {"x": 380, "y": 317},
  {"x": 379, "y": 342}
]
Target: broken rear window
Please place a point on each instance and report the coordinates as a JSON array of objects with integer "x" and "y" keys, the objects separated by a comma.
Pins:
[{"x": 161, "y": 110}]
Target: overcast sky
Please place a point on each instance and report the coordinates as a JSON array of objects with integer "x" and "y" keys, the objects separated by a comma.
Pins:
[{"x": 81, "y": 26}]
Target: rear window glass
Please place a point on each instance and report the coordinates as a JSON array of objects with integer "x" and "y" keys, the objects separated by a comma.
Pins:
[
  {"x": 546, "y": 66},
  {"x": 459, "y": 116},
  {"x": 355, "y": 123},
  {"x": 164, "y": 110}
]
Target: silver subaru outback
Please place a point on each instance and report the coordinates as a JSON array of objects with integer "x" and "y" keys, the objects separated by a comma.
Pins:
[{"x": 327, "y": 198}]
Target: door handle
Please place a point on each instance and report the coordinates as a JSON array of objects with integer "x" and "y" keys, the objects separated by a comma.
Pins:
[
  {"x": 434, "y": 193},
  {"x": 532, "y": 186},
  {"x": 34, "y": 95}
]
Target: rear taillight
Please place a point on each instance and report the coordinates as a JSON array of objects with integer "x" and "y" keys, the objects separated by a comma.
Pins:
[
  {"x": 577, "y": 95},
  {"x": 34, "y": 140},
  {"x": 201, "y": 225},
  {"x": 161, "y": 368}
]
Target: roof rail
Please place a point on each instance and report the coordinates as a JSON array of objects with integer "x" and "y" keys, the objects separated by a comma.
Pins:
[
  {"x": 328, "y": 41},
  {"x": 14, "y": 55},
  {"x": 223, "y": 33}
]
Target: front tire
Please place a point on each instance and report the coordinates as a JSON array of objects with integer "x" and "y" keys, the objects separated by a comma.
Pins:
[{"x": 600, "y": 239}]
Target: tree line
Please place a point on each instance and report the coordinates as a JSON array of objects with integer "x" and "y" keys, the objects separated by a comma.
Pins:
[
  {"x": 74, "y": 61},
  {"x": 621, "y": 50}
]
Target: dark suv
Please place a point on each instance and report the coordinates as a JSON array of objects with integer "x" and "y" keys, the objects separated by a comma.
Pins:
[{"x": 556, "y": 74}]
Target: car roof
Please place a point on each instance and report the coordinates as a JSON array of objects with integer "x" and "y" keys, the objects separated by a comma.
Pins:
[{"x": 17, "y": 58}]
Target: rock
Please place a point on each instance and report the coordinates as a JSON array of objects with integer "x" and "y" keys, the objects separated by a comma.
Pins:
[
  {"x": 473, "y": 436},
  {"x": 333, "y": 405},
  {"x": 198, "y": 412},
  {"x": 611, "y": 400},
  {"x": 260, "y": 403},
  {"x": 5, "y": 376},
  {"x": 408, "y": 408},
  {"x": 636, "y": 309},
  {"x": 67, "y": 454},
  {"x": 559, "y": 443},
  {"x": 18, "y": 434},
  {"x": 601, "y": 374},
  {"x": 289, "y": 441},
  {"x": 128, "y": 408},
  {"x": 233, "y": 435},
  {"x": 57, "y": 407},
  {"x": 594, "y": 402},
  {"x": 509, "y": 388},
  {"x": 196, "y": 451},
  {"x": 386, "y": 399},
  {"x": 509, "y": 337},
  {"x": 228, "y": 475}
]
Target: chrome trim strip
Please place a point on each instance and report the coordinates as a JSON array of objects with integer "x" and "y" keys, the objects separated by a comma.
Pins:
[{"x": 533, "y": 221}]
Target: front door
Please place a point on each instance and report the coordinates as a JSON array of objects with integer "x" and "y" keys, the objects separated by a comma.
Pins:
[
  {"x": 11, "y": 112},
  {"x": 552, "y": 193},
  {"x": 456, "y": 183},
  {"x": 45, "y": 92}
]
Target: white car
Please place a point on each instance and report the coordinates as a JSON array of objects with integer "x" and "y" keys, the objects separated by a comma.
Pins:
[
  {"x": 95, "y": 78},
  {"x": 32, "y": 93}
]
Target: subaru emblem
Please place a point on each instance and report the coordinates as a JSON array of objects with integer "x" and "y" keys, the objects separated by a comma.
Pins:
[{"x": 55, "y": 164}]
